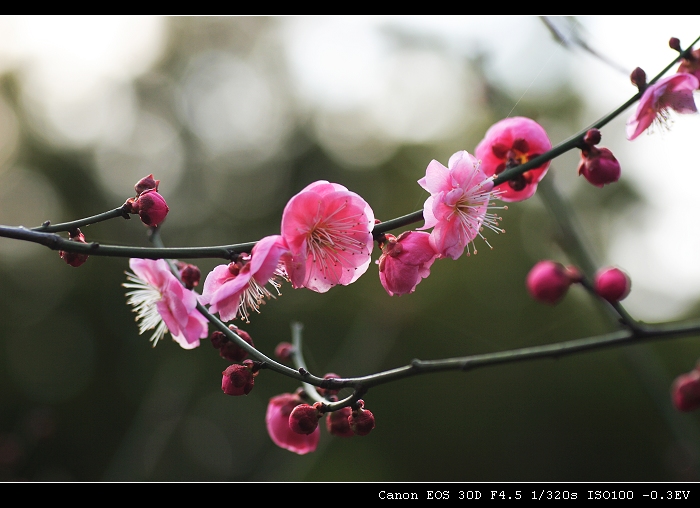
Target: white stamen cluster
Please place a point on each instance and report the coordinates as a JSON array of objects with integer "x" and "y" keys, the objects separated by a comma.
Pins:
[{"x": 144, "y": 298}]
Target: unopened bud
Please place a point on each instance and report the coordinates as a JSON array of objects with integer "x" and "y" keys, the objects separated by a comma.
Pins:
[
  {"x": 685, "y": 391},
  {"x": 232, "y": 351},
  {"x": 361, "y": 420},
  {"x": 74, "y": 258},
  {"x": 338, "y": 422},
  {"x": 612, "y": 284},
  {"x": 323, "y": 392},
  {"x": 284, "y": 351},
  {"x": 599, "y": 166},
  {"x": 190, "y": 275},
  {"x": 146, "y": 183},
  {"x": 549, "y": 281},
  {"x": 151, "y": 207},
  {"x": 592, "y": 137},
  {"x": 675, "y": 43},
  {"x": 639, "y": 78},
  {"x": 218, "y": 339},
  {"x": 304, "y": 418},
  {"x": 237, "y": 379}
]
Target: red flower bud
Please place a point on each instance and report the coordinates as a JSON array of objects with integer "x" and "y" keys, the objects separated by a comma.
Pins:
[
  {"x": 151, "y": 207},
  {"x": 592, "y": 137},
  {"x": 232, "y": 351},
  {"x": 675, "y": 43},
  {"x": 361, "y": 420},
  {"x": 189, "y": 274},
  {"x": 685, "y": 391},
  {"x": 639, "y": 78},
  {"x": 146, "y": 183},
  {"x": 325, "y": 392},
  {"x": 612, "y": 284},
  {"x": 338, "y": 422},
  {"x": 549, "y": 281},
  {"x": 74, "y": 258},
  {"x": 599, "y": 166},
  {"x": 304, "y": 418},
  {"x": 284, "y": 351},
  {"x": 237, "y": 379}
]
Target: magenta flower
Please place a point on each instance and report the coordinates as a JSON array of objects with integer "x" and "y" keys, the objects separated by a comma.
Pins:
[
  {"x": 329, "y": 233},
  {"x": 509, "y": 143},
  {"x": 405, "y": 261},
  {"x": 236, "y": 289},
  {"x": 162, "y": 303},
  {"x": 457, "y": 208},
  {"x": 277, "y": 422},
  {"x": 674, "y": 92}
]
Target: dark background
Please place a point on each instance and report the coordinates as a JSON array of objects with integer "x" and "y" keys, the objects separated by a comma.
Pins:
[{"x": 83, "y": 397}]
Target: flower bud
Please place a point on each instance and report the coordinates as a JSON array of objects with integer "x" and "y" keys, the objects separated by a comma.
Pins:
[
  {"x": 232, "y": 351},
  {"x": 338, "y": 423},
  {"x": 304, "y": 418},
  {"x": 639, "y": 78},
  {"x": 151, "y": 207},
  {"x": 146, "y": 183},
  {"x": 238, "y": 379},
  {"x": 361, "y": 420},
  {"x": 549, "y": 281},
  {"x": 675, "y": 43},
  {"x": 599, "y": 166},
  {"x": 325, "y": 392},
  {"x": 74, "y": 258},
  {"x": 284, "y": 351},
  {"x": 218, "y": 339},
  {"x": 189, "y": 274},
  {"x": 685, "y": 391},
  {"x": 592, "y": 137},
  {"x": 612, "y": 284}
]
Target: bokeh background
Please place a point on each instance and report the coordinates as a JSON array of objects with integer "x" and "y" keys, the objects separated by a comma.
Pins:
[{"x": 235, "y": 115}]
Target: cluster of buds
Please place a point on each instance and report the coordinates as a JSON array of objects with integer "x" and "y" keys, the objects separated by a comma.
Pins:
[
  {"x": 293, "y": 424},
  {"x": 548, "y": 282},
  {"x": 238, "y": 379},
  {"x": 148, "y": 203},
  {"x": 685, "y": 391},
  {"x": 598, "y": 165},
  {"x": 344, "y": 423},
  {"x": 74, "y": 258},
  {"x": 228, "y": 349}
]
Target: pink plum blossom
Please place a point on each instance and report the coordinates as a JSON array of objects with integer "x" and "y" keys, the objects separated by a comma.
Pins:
[
  {"x": 163, "y": 304},
  {"x": 277, "y": 422},
  {"x": 329, "y": 233},
  {"x": 405, "y": 261},
  {"x": 236, "y": 289},
  {"x": 674, "y": 92},
  {"x": 460, "y": 196},
  {"x": 509, "y": 143}
]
